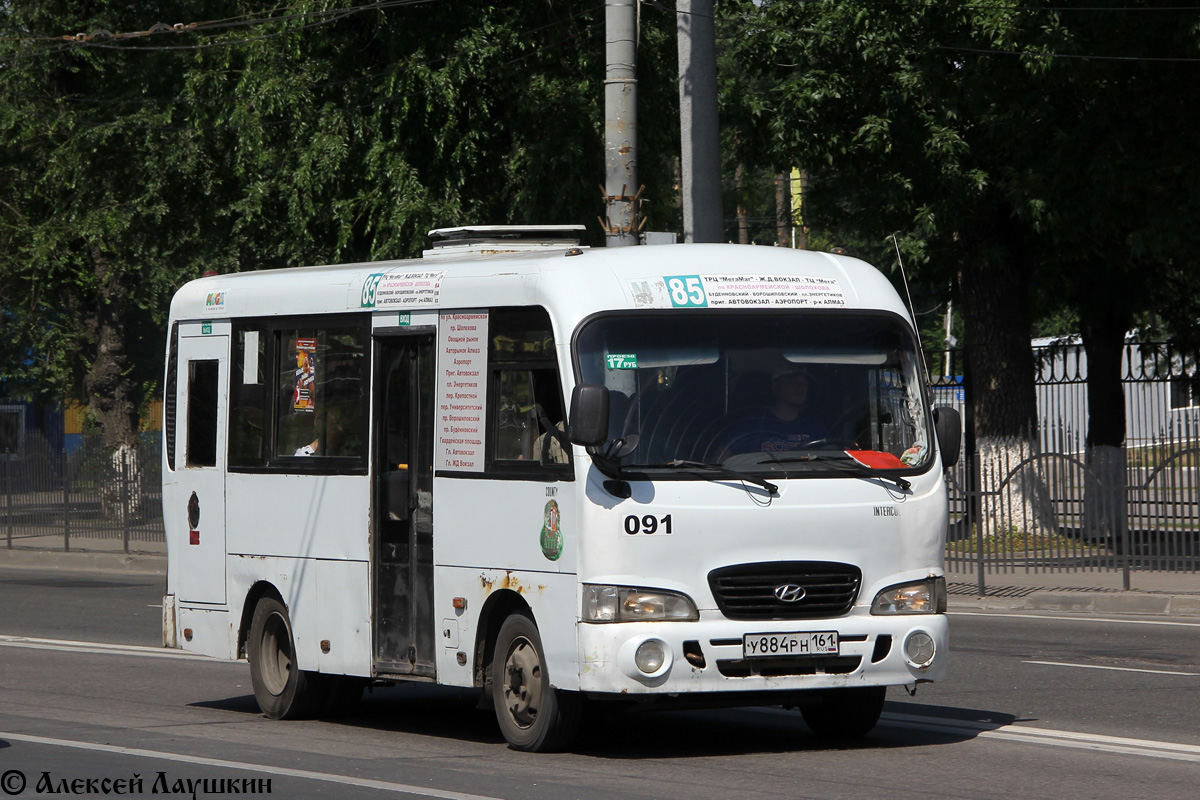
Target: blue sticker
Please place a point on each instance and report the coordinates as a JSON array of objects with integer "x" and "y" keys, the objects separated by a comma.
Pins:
[{"x": 686, "y": 291}]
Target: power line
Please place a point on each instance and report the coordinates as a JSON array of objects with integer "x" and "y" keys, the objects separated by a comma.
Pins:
[
  {"x": 123, "y": 124},
  {"x": 916, "y": 47},
  {"x": 244, "y": 20},
  {"x": 399, "y": 68},
  {"x": 978, "y": 7}
]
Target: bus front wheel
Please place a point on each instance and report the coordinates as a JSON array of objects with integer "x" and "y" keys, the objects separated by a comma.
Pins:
[
  {"x": 533, "y": 715},
  {"x": 282, "y": 690},
  {"x": 845, "y": 713}
]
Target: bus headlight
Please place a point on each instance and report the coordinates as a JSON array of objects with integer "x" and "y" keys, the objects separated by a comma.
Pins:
[
  {"x": 921, "y": 597},
  {"x": 629, "y": 604}
]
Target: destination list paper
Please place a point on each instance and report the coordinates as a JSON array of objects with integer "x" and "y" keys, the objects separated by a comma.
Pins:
[{"x": 462, "y": 391}]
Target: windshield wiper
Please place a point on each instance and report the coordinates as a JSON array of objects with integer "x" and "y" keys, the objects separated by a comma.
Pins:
[
  {"x": 726, "y": 471},
  {"x": 846, "y": 462}
]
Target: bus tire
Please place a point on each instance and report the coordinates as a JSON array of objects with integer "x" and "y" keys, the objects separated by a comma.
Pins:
[
  {"x": 533, "y": 715},
  {"x": 845, "y": 713},
  {"x": 282, "y": 690}
]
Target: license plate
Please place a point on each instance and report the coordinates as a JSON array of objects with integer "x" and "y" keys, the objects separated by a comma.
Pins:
[{"x": 819, "y": 643}]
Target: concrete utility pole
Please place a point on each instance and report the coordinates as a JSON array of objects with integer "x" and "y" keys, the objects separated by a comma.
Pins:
[
  {"x": 783, "y": 210},
  {"x": 621, "y": 190},
  {"x": 703, "y": 219}
]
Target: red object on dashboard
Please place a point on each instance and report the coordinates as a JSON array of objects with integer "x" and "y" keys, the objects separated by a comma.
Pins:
[{"x": 876, "y": 459}]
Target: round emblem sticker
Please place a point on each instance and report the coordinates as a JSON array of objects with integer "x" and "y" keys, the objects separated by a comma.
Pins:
[
  {"x": 193, "y": 511},
  {"x": 552, "y": 540}
]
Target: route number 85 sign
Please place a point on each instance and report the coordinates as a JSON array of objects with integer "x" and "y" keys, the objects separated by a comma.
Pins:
[{"x": 687, "y": 291}]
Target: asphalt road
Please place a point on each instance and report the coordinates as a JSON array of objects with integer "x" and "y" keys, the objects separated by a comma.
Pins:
[{"x": 1035, "y": 707}]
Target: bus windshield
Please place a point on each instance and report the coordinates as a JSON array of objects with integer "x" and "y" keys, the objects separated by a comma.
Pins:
[{"x": 777, "y": 393}]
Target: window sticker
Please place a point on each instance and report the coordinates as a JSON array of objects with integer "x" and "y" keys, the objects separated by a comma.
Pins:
[
  {"x": 250, "y": 358},
  {"x": 303, "y": 398},
  {"x": 687, "y": 291},
  {"x": 727, "y": 291},
  {"x": 214, "y": 302},
  {"x": 402, "y": 289},
  {"x": 462, "y": 391},
  {"x": 621, "y": 360}
]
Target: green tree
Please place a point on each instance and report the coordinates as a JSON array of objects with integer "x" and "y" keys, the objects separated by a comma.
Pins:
[
  {"x": 321, "y": 132},
  {"x": 1020, "y": 150},
  {"x": 91, "y": 194}
]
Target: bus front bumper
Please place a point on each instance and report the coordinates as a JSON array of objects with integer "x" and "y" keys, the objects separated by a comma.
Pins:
[{"x": 648, "y": 658}]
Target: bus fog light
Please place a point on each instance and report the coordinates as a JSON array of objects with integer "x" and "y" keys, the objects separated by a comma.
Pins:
[
  {"x": 919, "y": 649},
  {"x": 646, "y": 659},
  {"x": 650, "y": 656}
]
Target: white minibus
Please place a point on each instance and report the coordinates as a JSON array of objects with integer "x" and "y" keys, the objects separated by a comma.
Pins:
[{"x": 677, "y": 476}]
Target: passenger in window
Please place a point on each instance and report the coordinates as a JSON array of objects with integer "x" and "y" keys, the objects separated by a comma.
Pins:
[
  {"x": 335, "y": 436},
  {"x": 552, "y": 451}
]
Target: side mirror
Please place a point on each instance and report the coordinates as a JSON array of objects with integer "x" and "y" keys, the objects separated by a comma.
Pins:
[
  {"x": 588, "y": 421},
  {"x": 948, "y": 424}
]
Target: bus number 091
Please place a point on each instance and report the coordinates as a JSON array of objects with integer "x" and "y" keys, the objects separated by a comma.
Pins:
[{"x": 647, "y": 524}]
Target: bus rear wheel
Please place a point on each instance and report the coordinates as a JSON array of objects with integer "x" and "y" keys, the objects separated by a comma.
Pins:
[
  {"x": 282, "y": 690},
  {"x": 533, "y": 715},
  {"x": 845, "y": 713}
]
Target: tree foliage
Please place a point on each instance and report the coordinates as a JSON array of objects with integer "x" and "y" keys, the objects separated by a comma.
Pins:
[
  {"x": 323, "y": 131},
  {"x": 1023, "y": 151}
]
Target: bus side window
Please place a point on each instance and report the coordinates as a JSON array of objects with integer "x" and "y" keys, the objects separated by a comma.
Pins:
[
  {"x": 528, "y": 406},
  {"x": 320, "y": 393},
  {"x": 247, "y": 420},
  {"x": 516, "y": 423},
  {"x": 202, "y": 413},
  {"x": 527, "y": 413}
]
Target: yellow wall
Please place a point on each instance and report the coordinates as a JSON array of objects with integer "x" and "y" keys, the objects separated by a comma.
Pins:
[{"x": 74, "y": 416}]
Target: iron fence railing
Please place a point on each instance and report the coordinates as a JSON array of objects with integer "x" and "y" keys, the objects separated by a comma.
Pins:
[
  {"x": 1049, "y": 503},
  {"x": 90, "y": 496}
]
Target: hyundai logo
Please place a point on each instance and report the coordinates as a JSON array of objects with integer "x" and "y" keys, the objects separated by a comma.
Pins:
[{"x": 790, "y": 593}]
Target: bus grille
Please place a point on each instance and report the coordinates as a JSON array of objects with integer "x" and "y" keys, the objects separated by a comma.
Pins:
[
  {"x": 748, "y": 591},
  {"x": 789, "y": 665}
]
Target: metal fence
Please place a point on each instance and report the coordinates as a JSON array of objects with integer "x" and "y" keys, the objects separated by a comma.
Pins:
[
  {"x": 1050, "y": 504},
  {"x": 91, "y": 497},
  {"x": 1045, "y": 504}
]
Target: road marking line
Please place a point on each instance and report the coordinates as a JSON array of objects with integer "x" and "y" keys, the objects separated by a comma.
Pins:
[
  {"x": 274, "y": 772},
  {"x": 102, "y": 648},
  {"x": 1113, "y": 744},
  {"x": 1008, "y": 615},
  {"x": 1117, "y": 669},
  {"x": 1048, "y": 736}
]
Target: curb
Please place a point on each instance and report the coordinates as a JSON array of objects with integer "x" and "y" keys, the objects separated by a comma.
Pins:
[
  {"x": 85, "y": 560},
  {"x": 1011, "y": 598},
  {"x": 1082, "y": 602}
]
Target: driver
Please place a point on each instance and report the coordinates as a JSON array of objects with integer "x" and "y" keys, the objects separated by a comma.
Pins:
[{"x": 785, "y": 424}]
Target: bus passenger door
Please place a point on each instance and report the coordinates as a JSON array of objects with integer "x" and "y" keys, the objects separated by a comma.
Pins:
[
  {"x": 202, "y": 400},
  {"x": 403, "y": 506}
]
